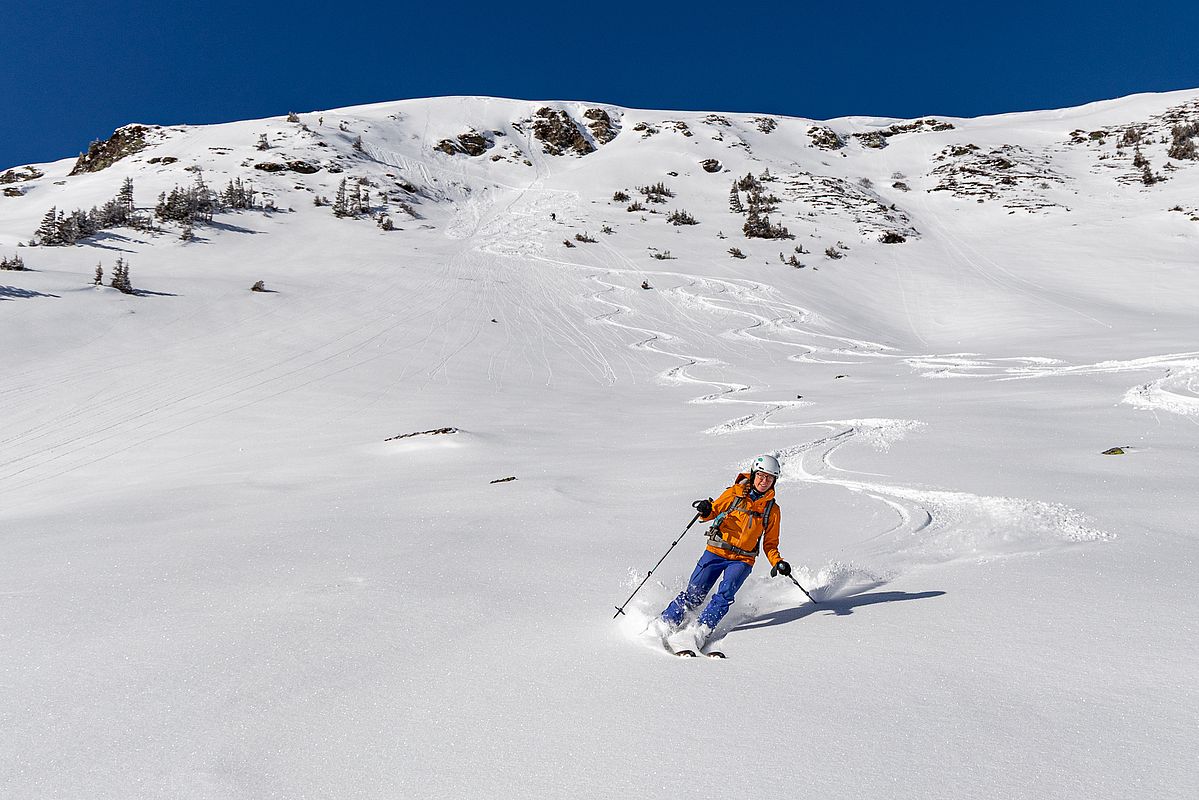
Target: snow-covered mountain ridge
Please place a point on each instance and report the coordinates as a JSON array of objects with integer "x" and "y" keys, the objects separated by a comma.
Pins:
[
  {"x": 837, "y": 187},
  {"x": 360, "y": 534}
]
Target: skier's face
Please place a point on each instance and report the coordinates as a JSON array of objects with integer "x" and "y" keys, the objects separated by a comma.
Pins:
[{"x": 763, "y": 481}]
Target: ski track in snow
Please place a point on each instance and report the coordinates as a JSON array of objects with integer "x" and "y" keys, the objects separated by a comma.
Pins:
[
  {"x": 928, "y": 526},
  {"x": 935, "y": 525},
  {"x": 508, "y": 222},
  {"x": 1177, "y": 392},
  {"x": 505, "y": 222}
]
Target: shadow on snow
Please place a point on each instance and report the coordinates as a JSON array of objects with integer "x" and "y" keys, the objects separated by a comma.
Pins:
[
  {"x": 14, "y": 293},
  {"x": 840, "y": 606}
]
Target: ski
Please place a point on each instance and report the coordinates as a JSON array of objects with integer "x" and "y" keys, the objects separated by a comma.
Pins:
[{"x": 693, "y": 654}]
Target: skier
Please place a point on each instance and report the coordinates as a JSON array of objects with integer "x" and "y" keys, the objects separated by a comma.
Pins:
[{"x": 745, "y": 521}]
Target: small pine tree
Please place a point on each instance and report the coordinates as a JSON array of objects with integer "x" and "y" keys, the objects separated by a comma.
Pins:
[
  {"x": 735, "y": 201},
  {"x": 749, "y": 183},
  {"x": 263, "y": 142},
  {"x": 1131, "y": 136},
  {"x": 340, "y": 206},
  {"x": 125, "y": 198},
  {"x": 759, "y": 227},
  {"x": 237, "y": 195},
  {"x": 68, "y": 229},
  {"x": 1183, "y": 146},
  {"x": 201, "y": 200},
  {"x": 88, "y": 221},
  {"x": 99, "y": 281},
  {"x": 120, "y": 277},
  {"x": 47, "y": 233}
]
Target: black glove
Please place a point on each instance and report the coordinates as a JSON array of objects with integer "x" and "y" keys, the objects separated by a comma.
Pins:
[
  {"x": 704, "y": 507},
  {"x": 781, "y": 568}
]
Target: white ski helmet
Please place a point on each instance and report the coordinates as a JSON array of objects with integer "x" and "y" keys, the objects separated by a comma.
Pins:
[{"x": 768, "y": 464}]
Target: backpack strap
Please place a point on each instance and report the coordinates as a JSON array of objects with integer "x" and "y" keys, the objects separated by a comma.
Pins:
[{"x": 716, "y": 539}]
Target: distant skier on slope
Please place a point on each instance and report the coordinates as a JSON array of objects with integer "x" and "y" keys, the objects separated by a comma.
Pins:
[{"x": 745, "y": 521}]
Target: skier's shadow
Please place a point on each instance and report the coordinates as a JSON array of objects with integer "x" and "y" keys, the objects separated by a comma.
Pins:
[{"x": 840, "y": 606}]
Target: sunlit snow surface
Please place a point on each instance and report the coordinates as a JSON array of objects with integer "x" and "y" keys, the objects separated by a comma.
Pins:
[{"x": 220, "y": 580}]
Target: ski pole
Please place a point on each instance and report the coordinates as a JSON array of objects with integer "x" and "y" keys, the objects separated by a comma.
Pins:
[
  {"x": 620, "y": 608},
  {"x": 805, "y": 591}
]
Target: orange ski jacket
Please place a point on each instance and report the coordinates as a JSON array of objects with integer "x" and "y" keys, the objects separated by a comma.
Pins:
[{"x": 743, "y": 526}]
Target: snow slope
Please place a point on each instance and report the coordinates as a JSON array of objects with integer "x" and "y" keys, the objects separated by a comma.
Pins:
[{"x": 223, "y": 578}]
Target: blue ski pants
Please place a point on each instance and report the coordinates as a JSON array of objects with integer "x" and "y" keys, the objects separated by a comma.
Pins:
[{"x": 707, "y": 571}]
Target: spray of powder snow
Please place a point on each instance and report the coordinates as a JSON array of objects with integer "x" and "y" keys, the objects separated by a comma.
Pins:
[{"x": 882, "y": 433}]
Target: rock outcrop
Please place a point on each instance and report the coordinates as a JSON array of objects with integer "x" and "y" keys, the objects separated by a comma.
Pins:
[
  {"x": 21, "y": 174},
  {"x": 102, "y": 154},
  {"x": 471, "y": 143},
  {"x": 825, "y": 138},
  {"x": 1008, "y": 173},
  {"x": 603, "y": 128},
  {"x": 559, "y": 133},
  {"x": 878, "y": 139}
]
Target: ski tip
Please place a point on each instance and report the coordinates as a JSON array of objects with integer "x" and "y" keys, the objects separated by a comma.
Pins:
[
  {"x": 715, "y": 654},
  {"x": 685, "y": 653}
]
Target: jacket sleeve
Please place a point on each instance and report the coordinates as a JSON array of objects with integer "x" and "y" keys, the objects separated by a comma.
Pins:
[
  {"x": 721, "y": 503},
  {"x": 770, "y": 539}
]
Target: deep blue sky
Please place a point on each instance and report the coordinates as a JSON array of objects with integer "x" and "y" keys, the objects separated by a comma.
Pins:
[{"x": 73, "y": 71}]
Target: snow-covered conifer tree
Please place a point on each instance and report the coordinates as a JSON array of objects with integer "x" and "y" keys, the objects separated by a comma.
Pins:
[
  {"x": 47, "y": 233},
  {"x": 340, "y": 207},
  {"x": 125, "y": 198}
]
